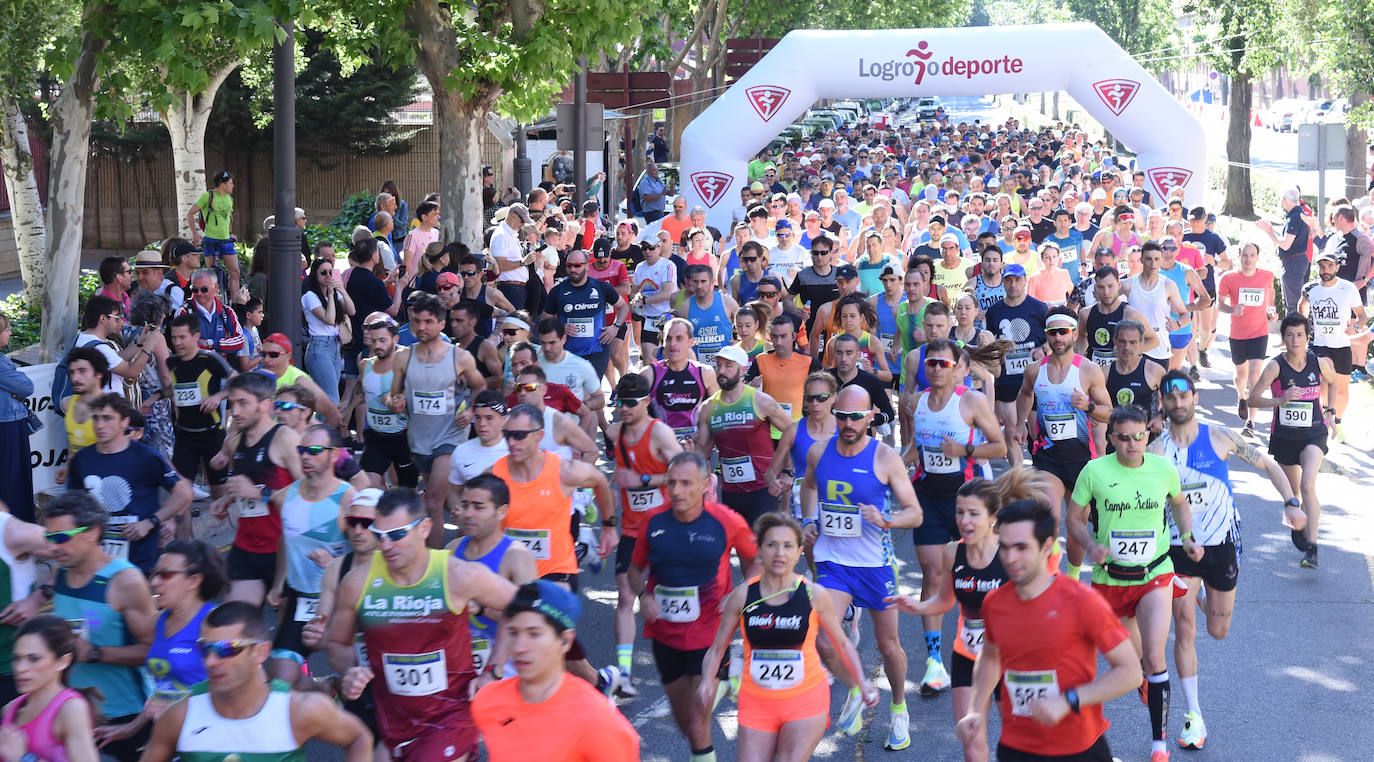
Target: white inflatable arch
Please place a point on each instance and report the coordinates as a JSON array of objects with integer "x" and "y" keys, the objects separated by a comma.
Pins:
[{"x": 809, "y": 65}]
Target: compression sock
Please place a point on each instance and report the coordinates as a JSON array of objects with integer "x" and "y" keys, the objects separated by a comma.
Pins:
[
  {"x": 1189, "y": 687},
  {"x": 933, "y": 644},
  {"x": 1157, "y": 692},
  {"x": 625, "y": 656},
  {"x": 1073, "y": 572},
  {"x": 705, "y": 755}
]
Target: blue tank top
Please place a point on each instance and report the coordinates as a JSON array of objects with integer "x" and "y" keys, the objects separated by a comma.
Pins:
[
  {"x": 748, "y": 289},
  {"x": 172, "y": 659},
  {"x": 1179, "y": 276},
  {"x": 888, "y": 330},
  {"x": 711, "y": 327},
  {"x": 922, "y": 383},
  {"x": 1064, "y": 431},
  {"x": 801, "y": 445},
  {"x": 91, "y": 615},
  {"x": 843, "y": 484},
  {"x": 1206, "y": 484},
  {"x": 484, "y": 626}
]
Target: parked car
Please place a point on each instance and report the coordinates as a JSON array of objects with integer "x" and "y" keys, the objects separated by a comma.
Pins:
[
  {"x": 1327, "y": 112},
  {"x": 1289, "y": 119},
  {"x": 927, "y": 107},
  {"x": 1271, "y": 116}
]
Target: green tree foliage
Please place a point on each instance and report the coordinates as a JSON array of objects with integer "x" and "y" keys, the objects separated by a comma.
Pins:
[{"x": 1138, "y": 26}]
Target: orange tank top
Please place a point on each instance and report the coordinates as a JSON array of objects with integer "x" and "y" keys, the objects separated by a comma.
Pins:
[
  {"x": 539, "y": 516},
  {"x": 635, "y": 504},
  {"x": 780, "y": 654}
]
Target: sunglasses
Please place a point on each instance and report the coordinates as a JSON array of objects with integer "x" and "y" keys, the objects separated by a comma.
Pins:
[
  {"x": 819, "y": 252},
  {"x": 747, "y": 260},
  {"x": 285, "y": 406},
  {"x": 1168, "y": 248},
  {"x": 510, "y": 331},
  {"x": 200, "y": 289},
  {"x": 355, "y": 522},
  {"x": 397, "y": 534},
  {"x": 851, "y": 415},
  {"x": 518, "y": 435},
  {"x": 526, "y": 388},
  {"x": 768, "y": 294},
  {"x": 820, "y": 397},
  {"x": 273, "y": 355},
  {"x": 1060, "y": 331},
  {"x": 467, "y": 273},
  {"x": 1177, "y": 385},
  {"x": 576, "y": 265},
  {"x": 62, "y": 537},
  {"x": 446, "y": 288},
  {"x": 313, "y": 449},
  {"x": 166, "y": 574},
  {"x": 939, "y": 362},
  {"x": 629, "y": 401},
  {"x": 1136, "y": 437},
  {"x": 225, "y": 649}
]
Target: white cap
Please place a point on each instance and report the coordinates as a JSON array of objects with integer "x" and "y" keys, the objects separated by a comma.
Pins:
[
  {"x": 1098, "y": 193},
  {"x": 735, "y": 355},
  {"x": 826, "y": 204}
]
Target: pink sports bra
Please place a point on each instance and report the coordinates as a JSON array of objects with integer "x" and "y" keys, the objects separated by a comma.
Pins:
[{"x": 39, "y": 730}]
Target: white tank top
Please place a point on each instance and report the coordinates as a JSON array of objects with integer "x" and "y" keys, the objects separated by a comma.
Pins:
[
  {"x": 266, "y": 735},
  {"x": 547, "y": 443},
  {"x": 380, "y": 418},
  {"x": 23, "y": 574},
  {"x": 932, "y": 426},
  {"x": 1154, "y": 304}
]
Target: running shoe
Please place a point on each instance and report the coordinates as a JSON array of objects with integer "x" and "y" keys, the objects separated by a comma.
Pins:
[
  {"x": 900, "y": 736},
  {"x": 608, "y": 679},
  {"x": 1300, "y": 540},
  {"x": 851, "y": 624},
  {"x": 936, "y": 679},
  {"x": 851, "y": 714},
  {"x": 1309, "y": 559},
  {"x": 1159, "y": 755},
  {"x": 1202, "y": 358},
  {"x": 1194, "y": 734},
  {"x": 626, "y": 687},
  {"x": 1242, "y": 410},
  {"x": 1358, "y": 374},
  {"x": 1249, "y": 430},
  {"x": 1194, "y": 374},
  {"x": 727, "y": 687}
]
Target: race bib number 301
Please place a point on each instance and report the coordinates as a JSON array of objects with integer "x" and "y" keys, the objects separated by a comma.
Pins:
[{"x": 415, "y": 674}]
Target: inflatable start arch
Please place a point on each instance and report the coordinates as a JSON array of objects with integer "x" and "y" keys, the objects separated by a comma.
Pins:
[{"x": 808, "y": 65}]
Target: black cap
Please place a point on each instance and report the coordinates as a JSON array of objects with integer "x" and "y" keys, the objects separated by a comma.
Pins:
[
  {"x": 183, "y": 248},
  {"x": 848, "y": 272},
  {"x": 1198, "y": 213}
]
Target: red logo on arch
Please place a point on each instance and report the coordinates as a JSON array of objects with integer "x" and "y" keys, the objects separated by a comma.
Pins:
[
  {"x": 1166, "y": 179},
  {"x": 1116, "y": 94},
  {"x": 711, "y": 185},
  {"x": 767, "y": 99}
]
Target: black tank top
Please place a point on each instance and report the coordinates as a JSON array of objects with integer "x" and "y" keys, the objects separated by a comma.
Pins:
[
  {"x": 254, "y": 462},
  {"x": 972, "y": 585},
  {"x": 1131, "y": 388},
  {"x": 676, "y": 396},
  {"x": 1302, "y": 418},
  {"x": 782, "y": 626},
  {"x": 485, "y": 311},
  {"x": 1102, "y": 330}
]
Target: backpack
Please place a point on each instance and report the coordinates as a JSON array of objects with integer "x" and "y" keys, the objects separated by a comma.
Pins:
[{"x": 61, "y": 382}]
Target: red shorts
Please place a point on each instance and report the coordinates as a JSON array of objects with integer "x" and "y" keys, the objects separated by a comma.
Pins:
[
  {"x": 1124, "y": 598},
  {"x": 768, "y": 715},
  {"x": 437, "y": 744}
]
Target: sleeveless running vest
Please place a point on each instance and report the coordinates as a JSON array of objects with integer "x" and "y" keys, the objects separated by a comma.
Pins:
[
  {"x": 711, "y": 327},
  {"x": 173, "y": 660},
  {"x": 483, "y": 627},
  {"x": 259, "y": 525},
  {"x": 1064, "y": 432},
  {"x": 307, "y": 526},
  {"x": 264, "y": 737},
  {"x": 1206, "y": 486},
  {"x": 888, "y": 329},
  {"x": 420, "y": 646},
  {"x": 843, "y": 484},
  {"x": 637, "y": 502},
  {"x": 743, "y": 440},
  {"x": 89, "y": 611},
  {"x": 971, "y": 586},
  {"x": 1153, "y": 303},
  {"x": 380, "y": 418},
  {"x": 1179, "y": 275},
  {"x": 780, "y": 654},
  {"x": 434, "y": 393},
  {"x": 938, "y": 473},
  {"x": 1101, "y": 331},
  {"x": 539, "y": 516},
  {"x": 676, "y": 394},
  {"x": 1131, "y": 388},
  {"x": 1301, "y": 418}
]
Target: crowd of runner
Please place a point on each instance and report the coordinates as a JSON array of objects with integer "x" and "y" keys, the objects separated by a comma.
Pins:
[{"x": 987, "y": 335}]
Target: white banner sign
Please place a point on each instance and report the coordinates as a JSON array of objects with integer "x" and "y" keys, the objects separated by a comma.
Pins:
[{"x": 47, "y": 448}]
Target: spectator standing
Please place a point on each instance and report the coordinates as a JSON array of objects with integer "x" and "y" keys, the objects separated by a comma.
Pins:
[
  {"x": 653, "y": 193},
  {"x": 1292, "y": 239},
  {"x": 327, "y": 306},
  {"x": 658, "y": 144},
  {"x": 511, "y": 259},
  {"x": 16, "y": 476}
]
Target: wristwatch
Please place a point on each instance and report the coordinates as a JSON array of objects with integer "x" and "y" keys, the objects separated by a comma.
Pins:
[
  {"x": 1071, "y": 696},
  {"x": 155, "y": 521},
  {"x": 609, "y": 522},
  {"x": 1293, "y": 502},
  {"x": 968, "y": 450},
  {"x": 645, "y": 479}
]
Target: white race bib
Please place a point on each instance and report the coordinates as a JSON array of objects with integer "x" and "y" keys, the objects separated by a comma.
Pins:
[
  {"x": 1251, "y": 297},
  {"x": 1297, "y": 415},
  {"x": 579, "y": 328},
  {"x": 360, "y": 651},
  {"x": 1061, "y": 426},
  {"x": 1326, "y": 328},
  {"x": 537, "y": 540},
  {"x": 383, "y": 421},
  {"x": 737, "y": 470},
  {"x": 1016, "y": 362},
  {"x": 935, "y": 461},
  {"x": 1194, "y": 495},
  {"x": 250, "y": 507},
  {"x": 777, "y": 670},
  {"x": 887, "y": 344},
  {"x": 80, "y": 628},
  {"x": 786, "y": 408},
  {"x": 1132, "y": 547},
  {"x": 307, "y": 606},
  {"x": 677, "y": 604},
  {"x": 431, "y": 403},
  {"x": 1103, "y": 359},
  {"x": 644, "y": 499},
  {"x": 481, "y": 653},
  {"x": 1068, "y": 255},
  {"x": 1025, "y": 687},
  {"x": 187, "y": 394},
  {"x": 841, "y": 520},
  {"x": 972, "y": 636},
  {"x": 115, "y": 546},
  {"x": 415, "y": 674}
]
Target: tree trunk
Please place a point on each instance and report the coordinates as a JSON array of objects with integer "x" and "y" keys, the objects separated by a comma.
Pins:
[
  {"x": 1356, "y": 138},
  {"x": 461, "y": 124},
  {"x": 1239, "y": 199},
  {"x": 186, "y": 122},
  {"x": 71, "y": 115},
  {"x": 1056, "y": 106},
  {"x": 26, "y": 205}
]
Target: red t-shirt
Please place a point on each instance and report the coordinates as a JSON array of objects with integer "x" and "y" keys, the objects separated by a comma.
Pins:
[
  {"x": 1048, "y": 645},
  {"x": 615, "y": 275},
  {"x": 1256, "y": 292},
  {"x": 1190, "y": 255},
  {"x": 556, "y": 396}
]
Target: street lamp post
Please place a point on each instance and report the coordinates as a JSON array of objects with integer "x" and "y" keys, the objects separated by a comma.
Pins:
[{"x": 284, "y": 247}]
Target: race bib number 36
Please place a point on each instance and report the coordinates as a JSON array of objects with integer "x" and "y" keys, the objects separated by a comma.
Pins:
[
  {"x": 737, "y": 470},
  {"x": 415, "y": 674},
  {"x": 1025, "y": 687}
]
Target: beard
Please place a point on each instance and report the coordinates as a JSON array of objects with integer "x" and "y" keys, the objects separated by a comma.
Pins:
[{"x": 727, "y": 383}]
